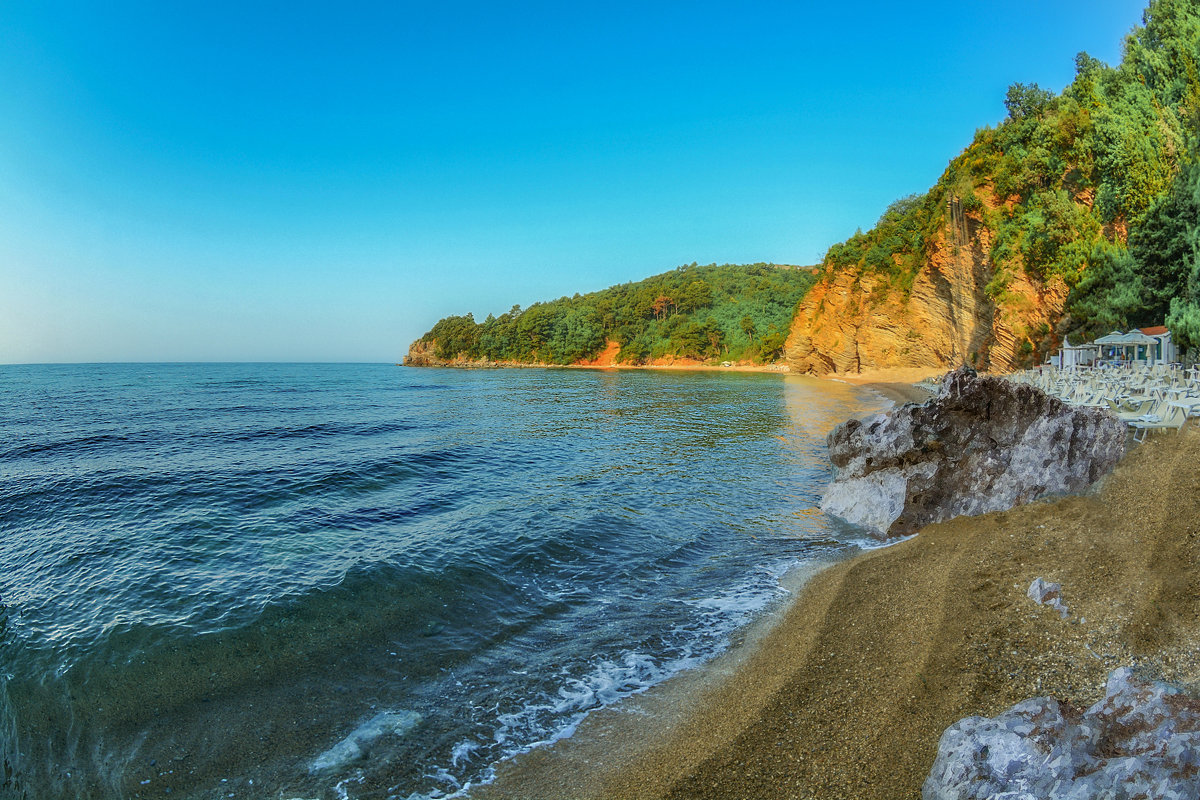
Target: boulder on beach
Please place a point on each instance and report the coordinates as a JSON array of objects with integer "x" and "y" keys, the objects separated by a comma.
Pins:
[
  {"x": 1141, "y": 740},
  {"x": 982, "y": 444}
]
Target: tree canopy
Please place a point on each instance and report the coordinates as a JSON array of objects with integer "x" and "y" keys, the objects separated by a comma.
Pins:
[{"x": 735, "y": 312}]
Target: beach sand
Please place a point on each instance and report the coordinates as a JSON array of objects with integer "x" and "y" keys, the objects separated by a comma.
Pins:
[
  {"x": 846, "y": 692},
  {"x": 898, "y": 384}
]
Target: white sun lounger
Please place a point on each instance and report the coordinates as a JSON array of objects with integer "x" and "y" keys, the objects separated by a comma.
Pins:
[{"x": 1164, "y": 417}]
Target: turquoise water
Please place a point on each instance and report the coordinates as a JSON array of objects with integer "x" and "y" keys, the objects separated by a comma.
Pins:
[{"x": 369, "y": 581}]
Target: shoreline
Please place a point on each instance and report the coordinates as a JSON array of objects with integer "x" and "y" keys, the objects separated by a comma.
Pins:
[
  {"x": 898, "y": 385},
  {"x": 846, "y": 693},
  {"x": 774, "y": 368}
]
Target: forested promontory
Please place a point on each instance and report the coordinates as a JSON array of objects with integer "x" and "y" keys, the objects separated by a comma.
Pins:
[{"x": 697, "y": 313}]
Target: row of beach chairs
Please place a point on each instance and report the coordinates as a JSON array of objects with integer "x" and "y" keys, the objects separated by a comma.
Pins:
[{"x": 1146, "y": 399}]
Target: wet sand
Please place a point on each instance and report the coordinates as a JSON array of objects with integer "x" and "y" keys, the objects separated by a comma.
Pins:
[
  {"x": 899, "y": 385},
  {"x": 845, "y": 694},
  {"x": 901, "y": 393}
]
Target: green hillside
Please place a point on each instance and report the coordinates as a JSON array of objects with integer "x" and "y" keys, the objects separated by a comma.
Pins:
[
  {"x": 734, "y": 312},
  {"x": 1098, "y": 186}
]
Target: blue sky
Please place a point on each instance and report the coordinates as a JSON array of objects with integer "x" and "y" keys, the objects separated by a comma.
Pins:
[{"x": 293, "y": 181}]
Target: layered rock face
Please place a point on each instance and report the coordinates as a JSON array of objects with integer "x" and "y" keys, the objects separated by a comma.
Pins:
[
  {"x": 851, "y": 321},
  {"x": 1141, "y": 740},
  {"x": 983, "y": 444}
]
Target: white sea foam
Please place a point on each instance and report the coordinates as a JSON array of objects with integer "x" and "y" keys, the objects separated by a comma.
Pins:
[
  {"x": 462, "y": 751},
  {"x": 878, "y": 544},
  {"x": 556, "y": 716},
  {"x": 735, "y": 607}
]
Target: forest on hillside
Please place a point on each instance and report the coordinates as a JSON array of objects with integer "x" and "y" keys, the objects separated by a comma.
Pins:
[
  {"x": 1098, "y": 186},
  {"x": 734, "y": 312}
]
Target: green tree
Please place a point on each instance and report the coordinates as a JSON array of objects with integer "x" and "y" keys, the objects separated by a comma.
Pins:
[
  {"x": 748, "y": 327},
  {"x": 1164, "y": 244},
  {"x": 695, "y": 295},
  {"x": 709, "y": 302},
  {"x": 1184, "y": 320},
  {"x": 771, "y": 346},
  {"x": 575, "y": 335},
  {"x": 1183, "y": 317},
  {"x": 455, "y": 337},
  {"x": 1027, "y": 100},
  {"x": 1109, "y": 294}
]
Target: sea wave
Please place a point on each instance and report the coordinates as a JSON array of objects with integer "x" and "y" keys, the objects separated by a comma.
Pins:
[{"x": 284, "y": 553}]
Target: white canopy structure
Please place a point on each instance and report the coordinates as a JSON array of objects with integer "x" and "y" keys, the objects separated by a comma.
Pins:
[
  {"x": 1133, "y": 346},
  {"x": 1073, "y": 355},
  {"x": 1111, "y": 338},
  {"x": 1147, "y": 346},
  {"x": 1136, "y": 337}
]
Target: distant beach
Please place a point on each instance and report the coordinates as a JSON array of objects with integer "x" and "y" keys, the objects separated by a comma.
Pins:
[{"x": 846, "y": 693}]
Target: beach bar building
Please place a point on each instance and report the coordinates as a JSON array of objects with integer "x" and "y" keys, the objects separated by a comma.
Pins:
[
  {"x": 1163, "y": 349},
  {"x": 1147, "y": 346}
]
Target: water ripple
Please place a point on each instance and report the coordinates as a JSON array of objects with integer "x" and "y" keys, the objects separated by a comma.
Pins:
[{"x": 284, "y": 553}]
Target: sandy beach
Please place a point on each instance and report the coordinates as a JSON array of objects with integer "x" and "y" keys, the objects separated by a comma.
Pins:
[
  {"x": 846, "y": 692},
  {"x": 682, "y": 365}
]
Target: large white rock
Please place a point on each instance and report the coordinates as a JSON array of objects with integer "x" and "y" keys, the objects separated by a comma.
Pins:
[{"x": 1141, "y": 741}]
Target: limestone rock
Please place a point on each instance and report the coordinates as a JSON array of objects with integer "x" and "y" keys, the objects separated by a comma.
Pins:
[
  {"x": 983, "y": 444},
  {"x": 1045, "y": 593},
  {"x": 1141, "y": 741}
]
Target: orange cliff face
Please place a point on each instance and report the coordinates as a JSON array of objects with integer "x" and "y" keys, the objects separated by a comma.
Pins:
[
  {"x": 422, "y": 354},
  {"x": 605, "y": 358},
  {"x": 852, "y": 321}
]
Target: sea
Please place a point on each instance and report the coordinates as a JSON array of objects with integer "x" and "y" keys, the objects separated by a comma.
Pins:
[{"x": 369, "y": 581}]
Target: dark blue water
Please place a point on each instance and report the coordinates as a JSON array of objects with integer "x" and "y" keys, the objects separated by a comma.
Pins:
[{"x": 368, "y": 581}]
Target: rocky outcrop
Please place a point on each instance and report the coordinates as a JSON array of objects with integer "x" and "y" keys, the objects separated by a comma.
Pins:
[
  {"x": 1141, "y": 740},
  {"x": 983, "y": 444},
  {"x": 853, "y": 321},
  {"x": 1045, "y": 593},
  {"x": 423, "y": 354}
]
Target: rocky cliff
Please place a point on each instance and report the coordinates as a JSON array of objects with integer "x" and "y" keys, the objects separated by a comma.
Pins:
[
  {"x": 852, "y": 320},
  {"x": 424, "y": 354}
]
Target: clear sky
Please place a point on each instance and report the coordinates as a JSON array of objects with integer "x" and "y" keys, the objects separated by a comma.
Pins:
[{"x": 296, "y": 181}]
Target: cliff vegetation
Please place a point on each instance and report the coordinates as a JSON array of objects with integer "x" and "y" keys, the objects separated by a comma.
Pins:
[
  {"x": 1079, "y": 213},
  {"x": 734, "y": 312}
]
